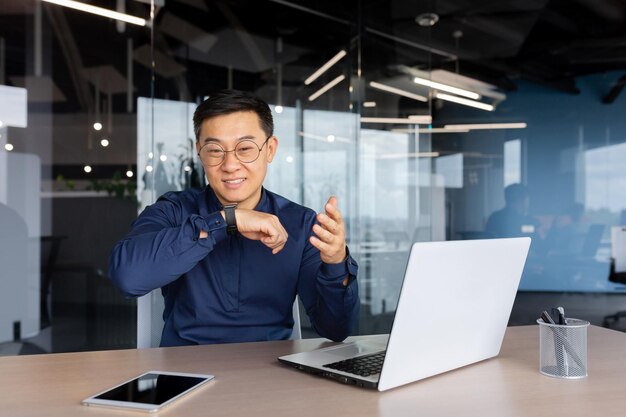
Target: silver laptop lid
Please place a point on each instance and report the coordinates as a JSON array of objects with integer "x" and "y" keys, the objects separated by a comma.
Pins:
[{"x": 454, "y": 306}]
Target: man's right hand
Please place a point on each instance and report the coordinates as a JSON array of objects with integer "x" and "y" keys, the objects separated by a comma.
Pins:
[{"x": 256, "y": 225}]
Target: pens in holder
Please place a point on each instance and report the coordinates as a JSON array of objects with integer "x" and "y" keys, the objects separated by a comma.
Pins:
[{"x": 561, "y": 343}]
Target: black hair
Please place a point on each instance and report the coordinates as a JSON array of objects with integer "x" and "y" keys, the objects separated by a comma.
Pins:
[
  {"x": 515, "y": 193},
  {"x": 231, "y": 101}
]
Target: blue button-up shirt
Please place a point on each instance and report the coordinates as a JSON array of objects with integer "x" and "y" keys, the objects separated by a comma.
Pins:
[{"x": 223, "y": 288}]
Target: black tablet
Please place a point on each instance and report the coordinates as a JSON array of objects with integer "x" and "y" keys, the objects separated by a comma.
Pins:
[{"x": 150, "y": 391}]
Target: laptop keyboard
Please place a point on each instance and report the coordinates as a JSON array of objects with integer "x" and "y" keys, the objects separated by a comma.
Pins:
[{"x": 363, "y": 365}]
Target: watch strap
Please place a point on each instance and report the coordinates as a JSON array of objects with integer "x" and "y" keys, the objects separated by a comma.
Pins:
[{"x": 231, "y": 220}]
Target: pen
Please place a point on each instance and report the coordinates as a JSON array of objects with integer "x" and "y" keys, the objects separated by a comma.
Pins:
[
  {"x": 546, "y": 317},
  {"x": 559, "y": 315},
  {"x": 561, "y": 311}
]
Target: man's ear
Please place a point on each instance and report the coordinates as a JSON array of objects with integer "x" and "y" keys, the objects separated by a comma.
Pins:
[{"x": 272, "y": 147}]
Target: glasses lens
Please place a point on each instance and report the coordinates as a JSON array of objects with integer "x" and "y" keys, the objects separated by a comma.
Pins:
[
  {"x": 247, "y": 151},
  {"x": 212, "y": 154}
]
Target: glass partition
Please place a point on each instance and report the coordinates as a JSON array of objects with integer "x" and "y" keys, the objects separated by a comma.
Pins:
[
  {"x": 67, "y": 167},
  {"x": 532, "y": 144}
]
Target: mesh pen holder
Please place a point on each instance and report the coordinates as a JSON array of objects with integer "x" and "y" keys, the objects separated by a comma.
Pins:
[{"x": 563, "y": 349}]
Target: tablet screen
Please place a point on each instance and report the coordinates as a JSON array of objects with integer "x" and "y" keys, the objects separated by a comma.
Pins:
[{"x": 150, "y": 389}]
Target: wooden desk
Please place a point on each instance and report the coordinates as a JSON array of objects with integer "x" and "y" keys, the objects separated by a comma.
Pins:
[{"x": 250, "y": 382}]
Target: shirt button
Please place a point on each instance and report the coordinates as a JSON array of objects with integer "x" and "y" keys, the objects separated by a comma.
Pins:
[{"x": 217, "y": 222}]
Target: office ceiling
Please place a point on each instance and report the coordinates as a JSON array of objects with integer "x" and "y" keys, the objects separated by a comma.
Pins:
[{"x": 200, "y": 44}]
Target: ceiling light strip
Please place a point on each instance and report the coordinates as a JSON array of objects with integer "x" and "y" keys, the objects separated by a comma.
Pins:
[
  {"x": 484, "y": 126},
  {"x": 327, "y": 87},
  {"x": 414, "y": 120},
  {"x": 429, "y": 131},
  {"x": 325, "y": 67},
  {"x": 409, "y": 155},
  {"x": 313, "y": 12},
  {"x": 446, "y": 87},
  {"x": 99, "y": 11},
  {"x": 443, "y": 130},
  {"x": 421, "y": 119},
  {"x": 398, "y": 91},
  {"x": 465, "y": 102}
]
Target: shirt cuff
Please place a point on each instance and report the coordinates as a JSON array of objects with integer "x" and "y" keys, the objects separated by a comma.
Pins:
[
  {"x": 213, "y": 224},
  {"x": 333, "y": 272}
]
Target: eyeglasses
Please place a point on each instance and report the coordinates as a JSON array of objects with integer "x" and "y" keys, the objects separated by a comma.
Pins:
[{"x": 246, "y": 151}]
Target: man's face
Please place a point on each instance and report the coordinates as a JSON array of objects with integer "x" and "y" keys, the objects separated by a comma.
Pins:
[{"x": 233, "y": 181}]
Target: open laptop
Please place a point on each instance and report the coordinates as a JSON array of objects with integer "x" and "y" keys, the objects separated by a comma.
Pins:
[{"x": 454, "y": 306}]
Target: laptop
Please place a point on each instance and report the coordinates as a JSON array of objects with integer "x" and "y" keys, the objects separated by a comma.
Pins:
[{"x": 454, "y": 306}]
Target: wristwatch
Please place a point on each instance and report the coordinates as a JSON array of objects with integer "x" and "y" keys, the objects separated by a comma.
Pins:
[{"x": 231, "y": 221}]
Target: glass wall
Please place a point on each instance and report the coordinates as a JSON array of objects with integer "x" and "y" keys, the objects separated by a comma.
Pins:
[
  {"x": 91, "y": 135},
  {"x": 68, "y": 124},
  {"x": 569, "y": 200}
]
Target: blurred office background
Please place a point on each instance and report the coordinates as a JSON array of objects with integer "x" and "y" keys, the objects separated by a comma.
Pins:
[{"x": 95, "y": 123}]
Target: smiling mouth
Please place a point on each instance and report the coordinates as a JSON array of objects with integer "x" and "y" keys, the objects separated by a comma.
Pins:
[{"x": 236, "y": 181}]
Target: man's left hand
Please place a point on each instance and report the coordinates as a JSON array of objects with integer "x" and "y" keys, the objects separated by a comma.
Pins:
[{"x": 330, "y": 235}]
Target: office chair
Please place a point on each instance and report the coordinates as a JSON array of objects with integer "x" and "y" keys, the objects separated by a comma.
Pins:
[
  {"x": 611, "y": 320},
  {"x": 296, "y": 333}
]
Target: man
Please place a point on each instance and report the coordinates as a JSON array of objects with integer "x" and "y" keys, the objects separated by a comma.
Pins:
[
  {"x": 512, "y": 220},
  {"x": 231, "y": 273}
]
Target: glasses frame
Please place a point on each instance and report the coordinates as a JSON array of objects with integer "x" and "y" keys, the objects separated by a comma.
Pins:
[{"x": 224, "y": 151}]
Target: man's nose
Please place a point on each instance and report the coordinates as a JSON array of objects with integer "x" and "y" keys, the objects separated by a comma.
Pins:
[{"x": 230, "y": 161}]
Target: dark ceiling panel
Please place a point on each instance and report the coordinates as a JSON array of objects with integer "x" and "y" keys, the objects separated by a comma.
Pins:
[{"x": 499, "y": 42}]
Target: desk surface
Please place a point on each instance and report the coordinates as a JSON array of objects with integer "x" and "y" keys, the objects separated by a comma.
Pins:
[{"x": 250, "y": 382}]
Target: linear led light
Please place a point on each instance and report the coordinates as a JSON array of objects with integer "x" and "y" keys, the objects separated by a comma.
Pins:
[
  {"x": 446, "y": 87},
  {"x": 433, "y": 130},
  {"x": 413, "y": 120},
  {"x": 422, "y": 120},
  {"x": 369, "y": 104},
  {"x": 327, "y": 87},
  {"x": 398, "y": 91},
  {"x": 443, "y": 130},
  {"x": 465, "y": 102},
  {"x": 409, "y": 155},
  {"x": 481, "y": 126},
  {"x": 99, "y": 11},
  {"x": 325, "y": 67}
]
